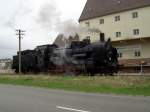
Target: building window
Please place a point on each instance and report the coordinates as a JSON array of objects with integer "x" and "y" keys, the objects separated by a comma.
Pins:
[
  {"x": 135, "y": 15},
  {"x": 136, "y": 32},
  {"x": 87, "y": 24},
  {"x": 120, "y": 55},
  {"x": 101, "y": 21},
  {"x": 117, "y": 18},
  {"x": 137, "y": 53},
  {"x": 118, "y": 34}
]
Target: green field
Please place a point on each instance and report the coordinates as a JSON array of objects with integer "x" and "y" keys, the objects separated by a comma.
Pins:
[{"x": 128, "y": 85}]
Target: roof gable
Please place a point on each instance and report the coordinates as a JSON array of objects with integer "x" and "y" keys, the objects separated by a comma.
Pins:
[{"x": 97, "y": 8}]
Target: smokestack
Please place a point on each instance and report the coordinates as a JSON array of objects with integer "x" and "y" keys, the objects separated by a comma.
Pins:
[{"x": 102, "y": 37}]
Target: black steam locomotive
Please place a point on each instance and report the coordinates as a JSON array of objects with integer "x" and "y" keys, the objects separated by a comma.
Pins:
[{"x": 80, "y": 57}]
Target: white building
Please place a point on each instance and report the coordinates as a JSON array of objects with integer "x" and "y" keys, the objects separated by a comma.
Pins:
[{"x": 126, "y": 22}]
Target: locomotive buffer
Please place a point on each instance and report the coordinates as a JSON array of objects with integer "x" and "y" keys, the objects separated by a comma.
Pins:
[{"x": 20, "y": 33}]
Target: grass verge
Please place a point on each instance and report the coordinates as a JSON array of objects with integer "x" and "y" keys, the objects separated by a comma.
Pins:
[{"x": 127, "y": 85}]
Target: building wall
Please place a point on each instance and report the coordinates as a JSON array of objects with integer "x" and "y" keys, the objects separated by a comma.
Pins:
[
  {"x": 125, "y": 25},
  {"x": 146, "y": 50},
  {"x": 128, "y": 49}
]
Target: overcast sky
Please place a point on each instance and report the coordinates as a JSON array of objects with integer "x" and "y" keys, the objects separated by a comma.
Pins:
[{"x": 41, "y": 19}]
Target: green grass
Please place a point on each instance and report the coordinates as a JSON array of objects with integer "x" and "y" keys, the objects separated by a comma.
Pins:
[{"x": 128, "y": 85}]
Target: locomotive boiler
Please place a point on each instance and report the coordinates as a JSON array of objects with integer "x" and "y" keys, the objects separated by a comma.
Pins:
[{"x": 93, "y": 58}]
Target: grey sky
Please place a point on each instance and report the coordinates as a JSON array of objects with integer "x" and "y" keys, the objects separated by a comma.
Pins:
[{"x": 42, "y": 20}]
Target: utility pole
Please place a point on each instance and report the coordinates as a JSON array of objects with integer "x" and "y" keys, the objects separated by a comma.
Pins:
[{"x": 20, "y": 33}]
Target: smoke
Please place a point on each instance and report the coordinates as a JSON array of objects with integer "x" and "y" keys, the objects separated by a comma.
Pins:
[
  {"x": 49, "y": 18},
  {"x": 12, "y": 22},
  {"x": 59, "y": 58},
  {"x": 42, "y": 21},
  {"x": 93, "y": 30},
  {"x": 71, "y": 28},
  {"x": 68, "y": 27},
  {"x": 22, "y": 11}
]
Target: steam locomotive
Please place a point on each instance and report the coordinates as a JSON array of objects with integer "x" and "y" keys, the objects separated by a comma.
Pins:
[{"x": 80, "y": 57}]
